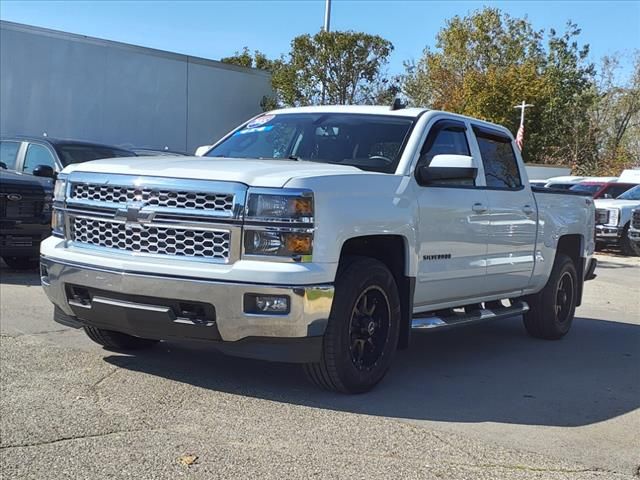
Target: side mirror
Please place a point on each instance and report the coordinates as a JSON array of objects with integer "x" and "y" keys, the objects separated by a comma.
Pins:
[
  {"x": 3, "y": 165},
  {"x": 446, "y": 169},
  {"x": 44, "y": 171},
  {"x": 202, "y": 149}
]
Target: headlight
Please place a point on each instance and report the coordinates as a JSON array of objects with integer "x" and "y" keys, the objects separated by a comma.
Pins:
[
  {"x": 279, "y": 243},
  {"x": 60, "y": 188},
  {"x": 614, "y": 216},
  {"x": 57, "y": 223},
  {"x": 290, "y": 206},
  {"x": 279, "y": 223}
]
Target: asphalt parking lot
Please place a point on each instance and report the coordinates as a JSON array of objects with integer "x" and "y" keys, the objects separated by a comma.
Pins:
[{"x": 481, "y": 402}]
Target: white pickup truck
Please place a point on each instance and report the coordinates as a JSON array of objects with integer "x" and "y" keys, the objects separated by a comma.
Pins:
[{"x": 318, "y": 235}]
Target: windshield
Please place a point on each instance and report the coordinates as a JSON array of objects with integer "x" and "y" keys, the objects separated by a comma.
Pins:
[
  {"x": 369, "y": 142},
  {"x": 78, "y": 153},
  {"x": 633, "y": 194},
  {"x": 591, "y": 188}
]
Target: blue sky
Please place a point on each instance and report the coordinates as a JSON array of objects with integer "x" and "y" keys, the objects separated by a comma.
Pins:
[{"x": 218, "y": 28}]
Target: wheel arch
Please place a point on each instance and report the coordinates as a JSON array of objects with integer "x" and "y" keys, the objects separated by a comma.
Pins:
[
  {"x": 393, "y": 251},
  {"x": 572, "y": 245}
]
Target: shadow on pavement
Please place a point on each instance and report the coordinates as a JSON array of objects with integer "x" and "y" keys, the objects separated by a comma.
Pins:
[{"x": 484, "y": 373}]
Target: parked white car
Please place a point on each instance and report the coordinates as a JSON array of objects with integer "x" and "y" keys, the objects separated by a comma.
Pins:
[
  {"x": 613, "y": 220},
  {"x": 564, "y": 182},
  {"x": 318, "y": 235}
]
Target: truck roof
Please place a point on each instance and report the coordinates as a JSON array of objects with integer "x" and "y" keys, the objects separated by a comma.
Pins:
[
  {"x": 411, "y": 112},
  {"x": 361, "y": 109}
]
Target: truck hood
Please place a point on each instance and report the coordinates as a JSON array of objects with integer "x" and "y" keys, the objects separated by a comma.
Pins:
[
  {"x": 615, "y": 203},
  {"x": 256, "y": 173}
]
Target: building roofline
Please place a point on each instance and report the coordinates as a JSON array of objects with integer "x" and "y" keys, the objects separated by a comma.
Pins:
[{"x": 47, "y": 32}]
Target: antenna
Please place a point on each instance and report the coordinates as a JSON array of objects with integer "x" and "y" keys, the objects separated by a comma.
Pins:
[{"x": 398, "y": 104}]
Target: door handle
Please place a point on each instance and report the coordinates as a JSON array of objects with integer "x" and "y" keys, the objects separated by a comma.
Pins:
[
  {"x": 527, "y": 209},
  {"x": 479, "y": 208}
]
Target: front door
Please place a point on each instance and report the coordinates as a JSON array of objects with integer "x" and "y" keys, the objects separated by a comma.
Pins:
[{"x": 453, "y": 227}]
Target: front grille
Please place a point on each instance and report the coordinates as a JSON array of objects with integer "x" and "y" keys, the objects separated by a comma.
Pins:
[
  {"x": 636, "y": 219},
  {"x": 142, "y": 238},
  {"x": 602, "y": 216},
  {"x": 217, "y": 202},
  {"x": 20, "y": 209}
]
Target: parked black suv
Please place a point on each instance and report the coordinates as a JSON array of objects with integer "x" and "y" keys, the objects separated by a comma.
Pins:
[
  {"x": 25, "y": 217},
  {"x": 28, "y": 166}
]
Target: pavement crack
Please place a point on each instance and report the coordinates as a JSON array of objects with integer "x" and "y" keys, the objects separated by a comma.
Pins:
[
  {"x": 104, "y": 377},
  {"x": 74, "y": 437},
  {"x": 527, "y": 468}
]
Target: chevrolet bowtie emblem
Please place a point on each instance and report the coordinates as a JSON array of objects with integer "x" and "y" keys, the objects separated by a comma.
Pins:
[{"x": 134, "y": 214}]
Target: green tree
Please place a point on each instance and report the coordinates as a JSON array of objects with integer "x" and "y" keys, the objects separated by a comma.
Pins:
[
  {"x": 485, "y": 63},
  {"x": 326, "y": 68},
  {"x": 337, "y": 67}
]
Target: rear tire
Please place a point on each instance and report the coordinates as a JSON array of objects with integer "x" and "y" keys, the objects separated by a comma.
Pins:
[
  {"x": 21, "y": 263},
  {"x": 363, "y": 329},
  {"x": 628, "y": 247},
  {"x": 116, "y": 340},
  {"x": 551, "y": 310}
]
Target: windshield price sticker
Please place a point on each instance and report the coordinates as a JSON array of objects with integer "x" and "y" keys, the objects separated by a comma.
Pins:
[
  {"x": 260, "y": 121},
  {"x": 266, "y": 128}
]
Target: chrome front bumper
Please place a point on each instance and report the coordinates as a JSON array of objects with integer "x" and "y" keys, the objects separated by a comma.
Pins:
[
  {"x": 607, "y": 233},
  {"x": 308, "y": 315}
]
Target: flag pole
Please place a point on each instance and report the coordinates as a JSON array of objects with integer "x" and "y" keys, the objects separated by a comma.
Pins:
[
  {"x": 520, "y": 135},
  {"x": 522, "y": 107}
]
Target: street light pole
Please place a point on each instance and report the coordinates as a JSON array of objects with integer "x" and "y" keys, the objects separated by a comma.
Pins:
[{"x": 327, "y": 15}]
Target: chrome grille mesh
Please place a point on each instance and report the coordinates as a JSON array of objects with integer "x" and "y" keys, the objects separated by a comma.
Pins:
[
  {"x": 218, "y": 202},
  {"x": 150, "y": 239}
]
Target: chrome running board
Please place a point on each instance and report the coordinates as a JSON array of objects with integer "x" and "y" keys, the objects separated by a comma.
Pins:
[{"x": 433, "y": 322}]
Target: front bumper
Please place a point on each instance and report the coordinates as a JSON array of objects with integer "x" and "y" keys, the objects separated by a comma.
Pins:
[
  {"x": 607, "y": 233},
  {"x": 149, "y": 306},
  {"x": 634, "y": 234}
]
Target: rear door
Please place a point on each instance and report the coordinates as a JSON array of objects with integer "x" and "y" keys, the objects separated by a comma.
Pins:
[
  {"x": 452, "y": 230},
  {"x": 512, "y": 214}
]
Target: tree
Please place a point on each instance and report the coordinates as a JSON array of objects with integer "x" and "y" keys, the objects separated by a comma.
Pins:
[
  {"x": 337, "y": 67},
  {"x": 486, "y": 62},
  {"x": 326, "y": 68},
  {"x": 614, "y": 120}
]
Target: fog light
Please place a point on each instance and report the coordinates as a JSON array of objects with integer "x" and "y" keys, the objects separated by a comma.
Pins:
[{"x": 266, "y": 304}]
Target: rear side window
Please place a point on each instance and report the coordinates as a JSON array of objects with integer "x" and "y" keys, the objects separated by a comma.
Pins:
[
  {"x": 499, "y": 161},
  {"x": 9, "y": 154}
]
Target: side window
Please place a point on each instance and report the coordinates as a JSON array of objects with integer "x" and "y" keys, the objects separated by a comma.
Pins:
[
  {"x": 37, "y": 155},
  {"x": 9, "y": 154},
  {"x": 499, "y": 160},
  {"x": 447, "y": 139}
]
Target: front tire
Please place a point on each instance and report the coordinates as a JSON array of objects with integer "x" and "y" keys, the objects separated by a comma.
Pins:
[
  {"x": 116, "y": 340},
  {"x": 551, "y": 310},
  {"x": 363, "y": 329}
]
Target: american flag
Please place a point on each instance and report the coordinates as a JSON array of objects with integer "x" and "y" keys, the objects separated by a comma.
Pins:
[{"x": 520, "y": 136}]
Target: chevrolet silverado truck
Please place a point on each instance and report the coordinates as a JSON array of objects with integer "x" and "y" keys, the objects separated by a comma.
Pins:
[
  {"x": 613, "y": 221},
  {"x": 318, "y": 235}
]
